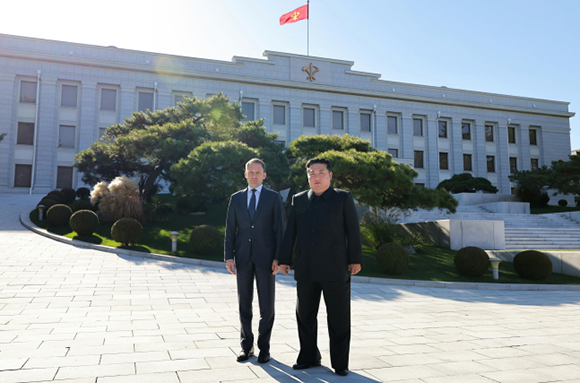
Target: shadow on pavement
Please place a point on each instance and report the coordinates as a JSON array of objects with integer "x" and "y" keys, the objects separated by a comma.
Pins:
[{"x": 284, "y": 373}]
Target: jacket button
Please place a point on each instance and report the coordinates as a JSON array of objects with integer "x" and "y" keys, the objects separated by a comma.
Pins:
[
  {"x": 252, "y": 226},
  {"x": 250, "y": 239}
]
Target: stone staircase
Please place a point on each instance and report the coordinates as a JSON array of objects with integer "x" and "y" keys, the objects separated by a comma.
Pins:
[{"x": 522, "y": 231}]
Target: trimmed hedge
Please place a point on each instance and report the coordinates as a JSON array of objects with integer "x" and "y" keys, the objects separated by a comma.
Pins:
[
  {"x": 392, "y": 258},
  {"x": 533, "y": 264},
  {"x": 205, "y": 239},
  {"x": 84, "y": 222},
  {"x": 59, "y": 215},
  {"x": 127, "y": 231},
  {"x": 471, "y": 261}
]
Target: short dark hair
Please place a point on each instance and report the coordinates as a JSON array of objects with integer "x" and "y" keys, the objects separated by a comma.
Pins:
[
  {"x": 324, "y": 161},
  {"x": 256, "y": 161}
]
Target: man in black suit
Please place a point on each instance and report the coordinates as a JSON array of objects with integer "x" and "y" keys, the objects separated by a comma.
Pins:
[
  {"x": 323, "y": 224},
  {"x": 254, "y": 230}
]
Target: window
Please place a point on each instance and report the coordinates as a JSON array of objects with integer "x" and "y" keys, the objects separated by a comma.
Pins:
[
  {"x": 534, "y": 163},
  {"x": 248, "y": 111},
  {"x": 442, "y": 128},
  {"x": 145, "y": 101},
  {"x": 467, "y": 162},
  {"x": 108, "y": 99},
  {"x": 28, "y": 92},
  {"x": 533, "y": 137},
  {"x": 511, "y": 134},
  {"x": 391, "y": 125},
  {"x": 418, "y": 159},
  {"x": 308, "y": 117},
  {"x": 101, "y": 132},
  {"x": 513, "y": 165},
  {"x": 337, "y": 119},
  {"x": 179, "y": 98},
  {"x": 280, "y": 142},
  {"x": 443, "y": 160},
  {"x": 25, "y": 134},
  {"x": 68, "y": 96},
  {"x": 66, "y": 136},
  {"x": 279, "y": 115},
  {"x": 365, "y": 122},
  {"x": 417, "y": 127},
  {"x": 22, "y": 176},
  {"x": 393, "y": 152},
  {"x": 420, "y": 185},
  {"x": 489, "y": 133},
  {"x": 491, "y": 164},
  {"x": 466, "y": 130},
  {"x": 64, "y": 176}
]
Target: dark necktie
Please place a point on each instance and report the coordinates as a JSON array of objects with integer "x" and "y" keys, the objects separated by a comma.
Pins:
[{"x": 252, "y": 207}]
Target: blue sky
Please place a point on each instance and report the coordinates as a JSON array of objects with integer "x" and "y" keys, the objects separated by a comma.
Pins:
[{"x": 524, "y": 48}]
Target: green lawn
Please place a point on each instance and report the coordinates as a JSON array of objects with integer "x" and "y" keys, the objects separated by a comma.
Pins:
[{"x": 431, "y": 263}]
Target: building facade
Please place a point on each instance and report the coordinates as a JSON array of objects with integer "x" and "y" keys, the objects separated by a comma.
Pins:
[{"x": 56, "y": 98}]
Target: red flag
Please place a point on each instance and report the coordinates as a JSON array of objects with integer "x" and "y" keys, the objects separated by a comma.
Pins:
[{"x": 296, "y": 15}]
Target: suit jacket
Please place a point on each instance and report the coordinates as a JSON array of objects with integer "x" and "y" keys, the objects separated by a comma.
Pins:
[
  {"x": 326, "y": 240},
  {"x": 263, "y": 236}
]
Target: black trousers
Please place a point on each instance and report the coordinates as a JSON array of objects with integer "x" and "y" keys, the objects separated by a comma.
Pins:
[
  {"x": 337, "y": 300},
  {"x": 265, "y": 282}
]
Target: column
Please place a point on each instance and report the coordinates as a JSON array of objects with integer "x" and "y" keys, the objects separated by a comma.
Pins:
[
  {"x": 524, "y": 148},
  {"x": 456, "y": 148},
  {"x": 127, "y": 102},
  {"x": 8, "y": 126},
  {"x": 380, "y": 130},
  {"x": 431, "y": 155},
  {"x": 406, "y": 133},
  {"x": 264, "y": 110},
  {"x": 479, "y": 153},
  {"x": 88, "y": 129},
  {"x": 294, "y": 122},
  {"x": 352, "y": 122},
  {"x": 163, "y": 99},
  {"x": 503, "y": 161},
  {"x": 47, "y": 131},
  {"x": 325, "y": 121}
]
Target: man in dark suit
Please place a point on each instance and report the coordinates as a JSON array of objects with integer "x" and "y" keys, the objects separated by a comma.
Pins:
[
  {"x": 254, "y": 230},
  {"x": 323, "y": 224}
]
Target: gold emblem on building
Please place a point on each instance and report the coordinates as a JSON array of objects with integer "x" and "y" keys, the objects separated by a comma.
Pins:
[{"x": 311, "y": 70}]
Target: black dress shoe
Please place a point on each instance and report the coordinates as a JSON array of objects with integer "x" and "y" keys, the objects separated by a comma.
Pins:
[
  {"x": 341, "y": 372},
  {"x": 245, "y": 355},
  {"x": 263, "y": 357},
  {"x": 304, "y": 366}
]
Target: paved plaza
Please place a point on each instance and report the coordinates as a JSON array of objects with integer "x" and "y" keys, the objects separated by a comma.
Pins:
[{"x": 76, "y": 315}]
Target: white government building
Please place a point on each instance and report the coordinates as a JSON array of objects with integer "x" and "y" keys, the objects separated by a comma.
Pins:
[{"x": 56, "y": 98}]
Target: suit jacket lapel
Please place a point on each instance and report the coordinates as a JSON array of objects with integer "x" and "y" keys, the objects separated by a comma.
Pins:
[
  {"x": 244, "y": 202},
  {"x": 264, "y": 195}
]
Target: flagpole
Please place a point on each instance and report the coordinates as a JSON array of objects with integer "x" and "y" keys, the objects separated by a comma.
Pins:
[{"x": 308, "y": 30}]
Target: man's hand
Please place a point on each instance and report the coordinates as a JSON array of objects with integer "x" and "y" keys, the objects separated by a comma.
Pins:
[
  {"x": 285, "y": 269},
  {"x": 354, "y": 268},
  {"x": 230, "y": 266},
  {"x": 275, "y": 267}
]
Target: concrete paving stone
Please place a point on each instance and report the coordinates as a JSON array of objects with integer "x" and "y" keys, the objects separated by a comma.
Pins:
[
  {"x": 461, "y": 368},
  {"x": 165, "y": 377},
  {"x": 11, "y": 363},
  {"x": 96, "y": 371},
  {"x": 32, "y": 375},
  {"x": 171, "y": 365},
  {"x": 134, "y": 357},
  {"x": 409, "y": 359},
  {"x": 502, "y": 352},
  {"x": 519, "y": 376},
  {"x": 62, "y": 361},
  {"x": 470, "y": 378},
  {"x": 404, "y": 372},
  {"x": 101, "y": 349},
  {"x": 216, "y": 375}
]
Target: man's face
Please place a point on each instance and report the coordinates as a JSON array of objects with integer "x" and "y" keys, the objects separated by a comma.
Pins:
[
  {"x": 319, "y": 178},
  {"x": 255, "y": 175}
]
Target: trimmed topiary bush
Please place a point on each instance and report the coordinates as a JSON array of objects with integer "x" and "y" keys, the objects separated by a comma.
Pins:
[
  {"x": 83, "y": 193},
  {"x": 471, "y": 261},
  {"x": 392, "y": 258},
  {"x": 127, "y": 231},
  {"x": 58, "y": 215},
  {"x": 84, "y": 222},
  {"x": 563, "y": 203},
  {"x": 205, "y": 239},
  {"x": 70, "y": 194},
  {"x": 57, "y": 195},
  {"x": 83, "y": 204},
  {"x": 533, "y": 264},
  {"x": 47, "y": 202}
]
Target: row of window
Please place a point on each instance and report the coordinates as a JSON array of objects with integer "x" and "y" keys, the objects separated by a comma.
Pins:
[
  {"x": 418, "y": 162},
  {"x": 23, "y": 176},
  {"x": 66, "y": 135},
  {"x": 69, "y": 97}
]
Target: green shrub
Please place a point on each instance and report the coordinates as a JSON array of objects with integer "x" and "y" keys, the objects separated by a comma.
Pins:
[
  {"x": 533, "y": 264},
  {"x": 84, "y": 222},
  {"x": 83, "y": 193},
  {"x": 58, "y": 215},
  {"x": 70, "y": 194},
  {"x": 58, "y": 196},
  {"x": 185, "y": 205},
  {"x": 471, "y": 261},
  {"x": 82, "y": 204},
  {"x": 156, "y": 210},
  {"x": 466, "y": 183},
  {"x": 47, "y": 203},
  {"x": 392, "y": 258},
  {"x": 379, "y": 227},
  {"x": 563, "y": 203},
  {"x": 544, "y": 199},
  {"x": 205, "y": 239},
  {"x": 127, "y": 231}
]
